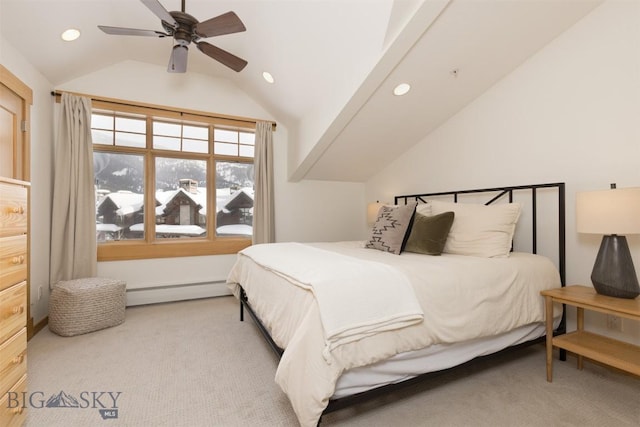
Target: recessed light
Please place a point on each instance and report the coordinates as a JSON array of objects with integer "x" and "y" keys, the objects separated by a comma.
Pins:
[
  {"x": 268, "y": 77},
  {"x": 401, "y": 89},
  {"x": 70, "y": 35}
]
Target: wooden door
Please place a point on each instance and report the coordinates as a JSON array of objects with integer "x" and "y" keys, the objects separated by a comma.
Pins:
[
  {"x": 16, "y": 99},
  {"x": 11, "y": 159}
]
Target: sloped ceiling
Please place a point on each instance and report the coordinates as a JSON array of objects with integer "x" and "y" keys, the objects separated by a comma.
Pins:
[
  {"x": 458, "y": 54},
  {"x": 325, "y": 54},
  {"x": 313, "y": 48}
]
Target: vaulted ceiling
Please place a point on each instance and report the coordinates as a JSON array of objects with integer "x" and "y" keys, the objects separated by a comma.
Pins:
[{"x": 335, "y": 62}]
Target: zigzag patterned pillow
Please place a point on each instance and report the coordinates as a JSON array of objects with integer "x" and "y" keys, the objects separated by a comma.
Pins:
[{"x": 390, "y": 229}]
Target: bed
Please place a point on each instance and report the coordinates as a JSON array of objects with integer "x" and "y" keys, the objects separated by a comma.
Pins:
[{"x": 350, "y": 320}]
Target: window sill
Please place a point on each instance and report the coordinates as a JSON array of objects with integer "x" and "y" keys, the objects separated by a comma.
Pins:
[{"x": 131, "y": 250}]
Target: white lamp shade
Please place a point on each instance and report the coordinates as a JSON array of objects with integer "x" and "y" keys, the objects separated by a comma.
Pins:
[
  {"x": 614, "y": 211},
  {"x": 372, "y": 212}
]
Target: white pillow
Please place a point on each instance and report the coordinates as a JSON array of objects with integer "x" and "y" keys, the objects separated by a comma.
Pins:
[
  {"x": 479, "y": 230},
  {"x": 424, "y": 209}
]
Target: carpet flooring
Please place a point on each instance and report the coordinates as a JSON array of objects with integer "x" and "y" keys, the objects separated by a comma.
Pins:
[{"x": 193, "y": 363}]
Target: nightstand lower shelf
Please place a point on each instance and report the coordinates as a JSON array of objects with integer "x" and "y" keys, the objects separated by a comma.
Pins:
[
  {"x": 618, "y": 354},
  {"x": 611, "y": 352}
]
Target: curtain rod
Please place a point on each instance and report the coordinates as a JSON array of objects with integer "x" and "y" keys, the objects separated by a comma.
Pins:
[{"x": 143, "y": 105}]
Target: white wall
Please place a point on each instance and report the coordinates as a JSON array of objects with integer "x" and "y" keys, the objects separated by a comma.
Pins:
[
  {"x": 41, "y": 172},
  {"x": 571, "y": 113},
  {"x": 306, "y": 211}
]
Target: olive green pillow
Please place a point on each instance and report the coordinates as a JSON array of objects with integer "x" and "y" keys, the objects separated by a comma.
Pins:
[{"x": 429, "y": 233}]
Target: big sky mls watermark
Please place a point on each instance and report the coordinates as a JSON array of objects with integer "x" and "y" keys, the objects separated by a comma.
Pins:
[{"x": 106, "y": 402}]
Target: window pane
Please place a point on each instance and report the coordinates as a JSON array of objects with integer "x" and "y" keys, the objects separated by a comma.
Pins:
[
  {"x": 246, "y": 150},
  {"x": 247, "y": 138},
  {"x": 195, "y": 145},
  {"x": 104, "y": 137},
  {"x": 119, "y": 180},
  {"x": 131, "y": 125},
  {"x": 181, "y": 194},
  {"x": 101, "y": 121},
  {"x": 125, "y": 139},
  {"x": 225, "y": 135},
  {"x": 167, "y": 129},
  {"x": 234, "y": 199},
  {"x": 227, "y": 149},
  {"x": 166, "y": 143},
  {"x": 196, "y": 132}
]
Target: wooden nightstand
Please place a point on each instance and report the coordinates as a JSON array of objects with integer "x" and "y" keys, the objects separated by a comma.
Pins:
[{"x": 618, "y": 354}]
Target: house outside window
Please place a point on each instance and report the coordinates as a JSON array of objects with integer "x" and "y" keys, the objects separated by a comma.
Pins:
[{"x": 171, "y": 183}]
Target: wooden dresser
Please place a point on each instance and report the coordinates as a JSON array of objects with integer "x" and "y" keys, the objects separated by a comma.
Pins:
[{"x": 14, "y": 214}]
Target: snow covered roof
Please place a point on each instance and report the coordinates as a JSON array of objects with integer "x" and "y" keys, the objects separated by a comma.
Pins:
[
  {"x": 108, "y": 227},
  {"x": 189, "y": 230},
  {"x": 125, "y": 201},
  {"x": 235, "y": 229},
  {"x": 199, "y": 198},
  {"x": 225, "y": 200}
]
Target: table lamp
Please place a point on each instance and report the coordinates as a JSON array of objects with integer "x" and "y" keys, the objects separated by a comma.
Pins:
[
  {"x": 612, "y": 213},
  {"x": 372, "y": 212}
]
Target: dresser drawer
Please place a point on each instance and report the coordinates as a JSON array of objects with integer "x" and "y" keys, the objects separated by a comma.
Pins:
[
  {"x": 13, "y": 310},
  {"x": 15, "y": 415},
  {"x": 13, "y": 260},
  {"x": 13, "y": 209},
  {"x": 13, "y": 360}
]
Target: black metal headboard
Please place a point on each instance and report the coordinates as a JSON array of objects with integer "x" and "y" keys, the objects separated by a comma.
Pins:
[{"x": 498, "y": 193}]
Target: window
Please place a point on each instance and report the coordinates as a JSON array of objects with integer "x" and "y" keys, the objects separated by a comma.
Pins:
[
  {"x": 234, "y": 198},
  {"x": 171, "y": 183}
]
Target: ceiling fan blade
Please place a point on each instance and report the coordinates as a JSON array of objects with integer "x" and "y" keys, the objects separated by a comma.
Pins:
[
  {"x": 120, "y": 31},
  {"x": 227, "y": 23},
  {"x": 159, "y": 10},
  {"x": 222, "y": 56},
  {"x": 178, "y": 59}
]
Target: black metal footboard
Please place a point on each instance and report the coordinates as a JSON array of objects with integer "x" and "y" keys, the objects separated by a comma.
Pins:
[
  {"x": 244, "y": 302},
  {"x": 344, "y": 402}
]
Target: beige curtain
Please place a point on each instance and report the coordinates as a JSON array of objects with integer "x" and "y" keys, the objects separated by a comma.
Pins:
[
  {"x": 73, "y": 216},
  {"x": 263, "y": 208}
]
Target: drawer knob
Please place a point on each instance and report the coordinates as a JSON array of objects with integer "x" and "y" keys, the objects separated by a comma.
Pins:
[
  {"x": 16, "y": 260},
  {"x": 18, "y": 210},
  {"x": 18, "y": 359},
  {"x": 18, "y": 310}
]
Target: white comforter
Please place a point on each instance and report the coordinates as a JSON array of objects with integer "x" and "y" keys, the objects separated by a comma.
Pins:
[
  {"x": 461, "y": 297},
  {"x": 391, "y": 301}
]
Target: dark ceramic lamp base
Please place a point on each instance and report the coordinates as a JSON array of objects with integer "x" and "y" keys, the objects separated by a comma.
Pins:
[{"x": 613, "y": 273}]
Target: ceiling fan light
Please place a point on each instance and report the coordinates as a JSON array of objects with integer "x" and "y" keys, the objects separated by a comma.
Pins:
[
  {"x": 401, "y": 89},
  {"x": 70, "y": 35},
  {"x": 178, "y": 60},
  {"x": 268, "y": 77}
]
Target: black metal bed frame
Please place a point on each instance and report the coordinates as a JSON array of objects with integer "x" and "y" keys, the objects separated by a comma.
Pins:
[{"x": 343, "y": 402}]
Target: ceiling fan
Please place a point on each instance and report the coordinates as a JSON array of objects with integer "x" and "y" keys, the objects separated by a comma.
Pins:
[{"x": 185, "y": 29}]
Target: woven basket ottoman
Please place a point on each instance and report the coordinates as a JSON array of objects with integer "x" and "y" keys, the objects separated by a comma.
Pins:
[{"x": 81, "y": 306}]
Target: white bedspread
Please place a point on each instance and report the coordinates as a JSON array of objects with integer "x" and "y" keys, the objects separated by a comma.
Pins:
[
  {"x": 462, "y": 298},
  {"x": 391, "y": 301}
]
